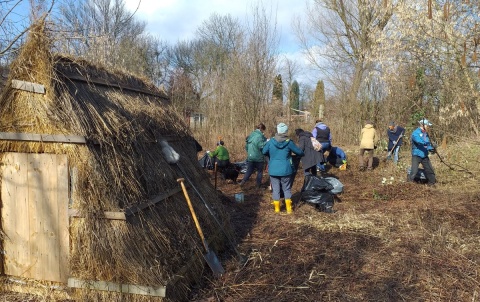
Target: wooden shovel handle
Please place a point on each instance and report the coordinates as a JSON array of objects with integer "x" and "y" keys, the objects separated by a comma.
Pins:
[
  {"x": 194, "y": 216},
  {"x": 215, "y": 174}
]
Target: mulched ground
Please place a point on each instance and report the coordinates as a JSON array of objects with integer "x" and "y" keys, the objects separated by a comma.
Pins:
[{"x": 387, "y": 241}]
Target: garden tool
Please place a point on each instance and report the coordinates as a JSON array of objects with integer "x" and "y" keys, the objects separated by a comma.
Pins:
[
  {"x": 241, "y": 258},
  {"x": 393, "y": 148},
  {"x": 210, "y": 256}
]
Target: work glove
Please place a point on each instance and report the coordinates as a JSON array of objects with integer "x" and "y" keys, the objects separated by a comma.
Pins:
[
  {"x": 208, "y": 151},
  {"x": 344, "y": 161},
  {"x": 431, "y": 151}
]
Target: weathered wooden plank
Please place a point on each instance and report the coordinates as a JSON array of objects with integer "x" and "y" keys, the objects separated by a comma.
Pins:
[
  {"x": 117, "y": 287},
  {"x": 9, "y": 187},
  {"x": 136, "y": 208},
  {"x": 46, "y": 138},
  {"x": 49, "y": 219},
  {"x": 105, "y": 215},
  {"x": 34, "y": 183},
  {"x": 28, "y": 86},
  {"x": 63, "y": 224}
]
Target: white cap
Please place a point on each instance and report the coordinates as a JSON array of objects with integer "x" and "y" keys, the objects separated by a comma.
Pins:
[{"x": 424, "y": 122}]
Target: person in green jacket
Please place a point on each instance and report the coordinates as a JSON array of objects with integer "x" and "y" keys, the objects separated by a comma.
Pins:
[
  {"x": 220, "y": 155},
  {"x": 255, "y": 159}
]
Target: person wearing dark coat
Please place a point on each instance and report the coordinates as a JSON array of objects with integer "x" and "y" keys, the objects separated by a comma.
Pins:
[
  {"x": 395, "y": 135},
  {"x": 311, "y": 158},
  {"x": 337, "y": 157}
]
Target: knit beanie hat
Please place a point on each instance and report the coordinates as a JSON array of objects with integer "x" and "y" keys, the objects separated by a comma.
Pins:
[{"x": 282, "y": 128}]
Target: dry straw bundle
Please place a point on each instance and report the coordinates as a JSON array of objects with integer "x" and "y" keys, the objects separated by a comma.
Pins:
[{"x": 119, "y": 169}]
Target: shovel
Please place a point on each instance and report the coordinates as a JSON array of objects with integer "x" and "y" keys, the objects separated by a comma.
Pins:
[
  {"x": 242, "y": 259},
  {"x": 393, "y": 148},
  {"x": 210, "y": 256}
]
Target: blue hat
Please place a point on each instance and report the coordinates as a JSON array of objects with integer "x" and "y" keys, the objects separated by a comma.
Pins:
[
  {"x": 282, "y": 128},
  {"x": 424, "y": 122}
]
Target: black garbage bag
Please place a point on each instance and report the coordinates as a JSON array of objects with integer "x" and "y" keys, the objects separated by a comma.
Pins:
[
  {"x": 322, "y": 201},
  {"x": 314, "y": 183},
  {"x": 241, "y": 166},
  {"x": 206, "y": 162},
  {"x": 316, "y": 191}
]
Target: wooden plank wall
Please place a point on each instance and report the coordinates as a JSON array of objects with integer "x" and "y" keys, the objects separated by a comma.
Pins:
[{"x": 35, "y": 215}]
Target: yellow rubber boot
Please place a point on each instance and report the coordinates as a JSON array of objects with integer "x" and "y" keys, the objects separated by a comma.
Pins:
[
  {"x": 276, "y": 204},
  {"x": 288, "y": 205}
]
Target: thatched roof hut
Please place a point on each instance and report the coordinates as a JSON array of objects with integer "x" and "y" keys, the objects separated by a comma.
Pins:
[{"x": 88, "y": 200}]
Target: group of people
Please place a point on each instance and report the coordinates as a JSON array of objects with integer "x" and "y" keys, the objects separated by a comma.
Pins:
[{"x": 279, "y": 151}]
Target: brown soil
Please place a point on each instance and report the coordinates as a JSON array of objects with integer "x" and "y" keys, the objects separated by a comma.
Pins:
[{"x": 386, "y": 241}]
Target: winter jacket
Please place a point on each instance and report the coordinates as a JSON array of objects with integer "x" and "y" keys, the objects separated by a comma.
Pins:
[
  {"x": 394, "y": 135},
  {"x": 420, "y": 143},
  {"x": 279, "y": 149},
  {"x": 368, "y": 137},
  {"x": 311, "y": 157},
  {"x": 322, "y": 133},
  {"x": 220, "y": 152},
  {"x": 336, "y": 156},
  {"x": 254, "y": 145}
]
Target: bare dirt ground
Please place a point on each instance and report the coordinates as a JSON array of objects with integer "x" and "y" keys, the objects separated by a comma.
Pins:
[{"x": 387, "y": 241}]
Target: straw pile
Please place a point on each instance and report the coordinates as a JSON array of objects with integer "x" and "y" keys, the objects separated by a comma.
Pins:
[{"x": 123, "y": 118}]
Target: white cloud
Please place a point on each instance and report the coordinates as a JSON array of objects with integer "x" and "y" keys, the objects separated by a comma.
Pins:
[
  {"x": 178, "y": 20},
  {"x": 174, "y": 20}
]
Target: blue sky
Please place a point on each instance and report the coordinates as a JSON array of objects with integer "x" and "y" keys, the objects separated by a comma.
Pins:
[
  {"x": 177, "y": 20},
  {"x": 174, "y": 20}
]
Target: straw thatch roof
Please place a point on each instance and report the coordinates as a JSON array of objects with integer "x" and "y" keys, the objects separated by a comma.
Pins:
[{"x": 120, "y": 168}]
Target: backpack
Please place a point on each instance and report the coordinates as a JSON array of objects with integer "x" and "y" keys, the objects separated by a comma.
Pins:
[{"x": 316, "y": 144}]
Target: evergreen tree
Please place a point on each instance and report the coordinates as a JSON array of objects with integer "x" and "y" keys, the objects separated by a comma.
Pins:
[
  {"x": 319, "y": 100},
  {"x": 295, "y": 96},
  {"x": 277, "y": 95}
]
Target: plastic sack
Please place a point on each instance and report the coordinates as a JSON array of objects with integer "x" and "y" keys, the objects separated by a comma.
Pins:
[
  {"x": 314, "y": 183},
  {"x": 317, "y": 191},
  {"x": 337, "y": 185},
  {"x": 241, "y": 166},
  {"x": 323, "y": 201},
  {"x": 420, "y": 176},
  {"x": 206, "y": 162}
]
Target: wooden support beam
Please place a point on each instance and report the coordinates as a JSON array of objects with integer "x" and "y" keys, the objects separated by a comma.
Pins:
[
  {"x": 118, "y": 287},
  {"x": 136, "y": 208},
  {"x": 104, "y": 215},
  {"x": 45, "y": 138},
  {"x": 28, "y": 86}
]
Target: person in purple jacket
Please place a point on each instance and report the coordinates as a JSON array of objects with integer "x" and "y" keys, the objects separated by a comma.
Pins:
[{"x": 322, "y": 133}]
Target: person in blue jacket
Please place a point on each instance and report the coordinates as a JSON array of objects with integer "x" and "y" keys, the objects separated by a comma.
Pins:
[
  {"x": 421, "y": 147},
  {"x": 337, "y": 157},
  {"x": 280, "y": 167},
  {"x": 395, "y": 140}
]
